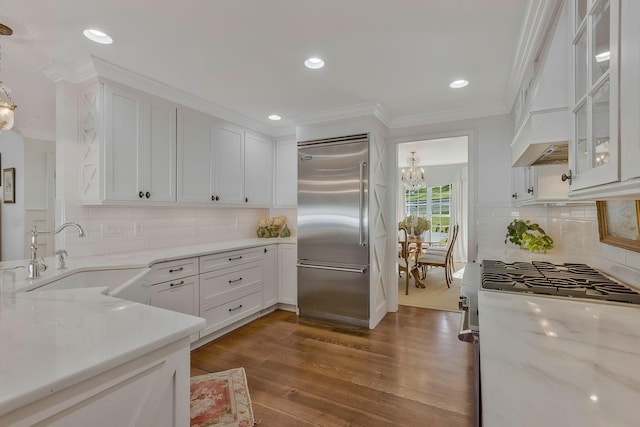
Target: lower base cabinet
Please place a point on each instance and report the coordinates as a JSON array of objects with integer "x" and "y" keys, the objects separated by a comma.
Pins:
[
  {"x": 152, "y": 390},
  {"x": 219, "y": 316},
  {"x": 227, "y": 287}
]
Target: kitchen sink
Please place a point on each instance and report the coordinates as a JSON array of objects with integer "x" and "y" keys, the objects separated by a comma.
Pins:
[{"x": 127, "y": 283}]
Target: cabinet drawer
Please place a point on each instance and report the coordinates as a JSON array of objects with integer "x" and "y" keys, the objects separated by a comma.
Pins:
[
  {"x": 172, "y": 270},
  {"x": 221, "y": 286},
  {"x": 222, "y": 315},
  {"x": 179, "y": 295},
  {"x": 228, "y": 259}
]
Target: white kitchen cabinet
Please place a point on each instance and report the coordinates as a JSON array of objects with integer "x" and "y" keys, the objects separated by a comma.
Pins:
[
  {"x": 288, "y": 274},
  {"x": 521, "y": 184},
  {"x": 210, "y": 160},
  {"x": 630, "y": 91},
  {"x": 270, "y": 276},
  {"x": 258, "y": 170},
  {"x": 151, "y": 390},
  {"x": 219, "y": 164},
  {"x": 179, "y": 295},
  {"x": 229, "y": 295},
  {"x": 594, "y": 151},
  {"x": 176, "y": 286},
  {"x": 286, "y": 173},
  {"x": 543, "y": 184},
  {"x": 127, "y": 146}
]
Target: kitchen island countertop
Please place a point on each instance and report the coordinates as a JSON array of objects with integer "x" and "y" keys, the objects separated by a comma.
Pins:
[
  {"x": 558, "y": 362},
  {"x": 55, "y": 339}
]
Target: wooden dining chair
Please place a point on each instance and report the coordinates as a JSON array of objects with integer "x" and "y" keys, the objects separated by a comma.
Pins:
[
  {"x": 406, "y": 260},
  {"x": 439, "y": 258}
]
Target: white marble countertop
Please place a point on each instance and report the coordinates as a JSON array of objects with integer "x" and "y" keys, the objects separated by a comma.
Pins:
[
  {"x": 54, "y": 339},
  {"x": 15, "y": 280},
  {"x": 57, "y": 338},
  {"x": 558, "y": 362}
]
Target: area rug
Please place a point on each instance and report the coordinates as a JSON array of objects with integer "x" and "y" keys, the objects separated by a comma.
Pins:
[
  {"x": 221, "y": 399},
  {"x": 435, "y": 295}
]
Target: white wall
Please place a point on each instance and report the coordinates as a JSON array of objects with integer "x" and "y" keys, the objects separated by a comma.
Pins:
[{"x": 12, "y": 215}]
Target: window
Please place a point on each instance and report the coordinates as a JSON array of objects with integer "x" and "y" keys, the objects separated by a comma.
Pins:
[{"x": 433, "y": 203}]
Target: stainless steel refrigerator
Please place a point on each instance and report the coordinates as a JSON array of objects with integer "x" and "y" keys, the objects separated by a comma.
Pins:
[{"x": 333, "y": 237}]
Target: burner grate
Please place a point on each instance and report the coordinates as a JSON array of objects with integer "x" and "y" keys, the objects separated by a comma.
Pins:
[{"x": 567, "y": 280}]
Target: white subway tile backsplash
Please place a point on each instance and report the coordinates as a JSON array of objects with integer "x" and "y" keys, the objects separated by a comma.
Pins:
[{"x": 574, "y": 230}]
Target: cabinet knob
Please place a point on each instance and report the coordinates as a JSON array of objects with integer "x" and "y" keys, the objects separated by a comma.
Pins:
[
  {"x": 148, "y": 194},
  {"x": 141, "y": 194},
  {"x": 565, "y": 177},
  {"x": 213, "y": 198},
  {"x": 514, "y": 196},
  {"x": 265, "y": 250},
  {"x": 530, "y": 190},
  {"x": 217, "y": 198},
  {"x": 246, "y": 200}
]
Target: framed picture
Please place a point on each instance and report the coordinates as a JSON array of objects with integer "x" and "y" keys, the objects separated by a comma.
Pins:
[
  {"x": 619, "y": 223},
  {"x": 9, "y": 187}
]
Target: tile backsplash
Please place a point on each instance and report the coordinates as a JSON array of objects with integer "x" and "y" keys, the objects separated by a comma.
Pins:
[
  {"x": 115, "y": 229},
  {"x": 574, "y": 229}
]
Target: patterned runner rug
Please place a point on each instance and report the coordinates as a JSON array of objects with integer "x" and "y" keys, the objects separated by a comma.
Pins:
[{"x": 221, "y": 399}]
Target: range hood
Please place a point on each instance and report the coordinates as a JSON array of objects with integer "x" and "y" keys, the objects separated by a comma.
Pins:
[{"x": 543, "y": 139}]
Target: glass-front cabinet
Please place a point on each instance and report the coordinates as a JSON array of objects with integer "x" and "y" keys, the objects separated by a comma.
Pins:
[{"x": 594, "y": 153}]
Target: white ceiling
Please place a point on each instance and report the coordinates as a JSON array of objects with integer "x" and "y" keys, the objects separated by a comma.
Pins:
[{"x": 247, "y": 55}]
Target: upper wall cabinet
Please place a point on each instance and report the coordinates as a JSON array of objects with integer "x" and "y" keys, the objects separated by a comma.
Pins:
[
  {"x": 595, "y": 149},
  {"x": 258, "y": 170},
  {"x": 127, "y": 146},
  {"x": 287, "y": 173},
  {"x": 219, "y": 164},
  {"x": 605, "y": 156}
]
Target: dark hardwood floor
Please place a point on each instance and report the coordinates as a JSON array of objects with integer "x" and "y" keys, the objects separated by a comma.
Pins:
[{"x": 409, "y": 371}]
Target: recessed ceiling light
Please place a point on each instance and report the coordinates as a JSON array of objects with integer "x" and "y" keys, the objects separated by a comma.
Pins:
[
  {"x": 604, "y": 56},
  {"x": 314, "y": 63},
  {"x": 274, "y": 117},
  {"x": 97, "y": 36},
  {"x": 457, "y": 84}
]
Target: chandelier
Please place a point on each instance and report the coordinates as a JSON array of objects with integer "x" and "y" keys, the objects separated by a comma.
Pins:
[
  {"x": 7, "y": 107},
  {"x": 413, "y": 179}
]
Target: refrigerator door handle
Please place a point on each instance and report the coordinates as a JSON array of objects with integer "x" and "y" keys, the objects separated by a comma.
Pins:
[
  {"x": 361, "y": 204},
  {"x": 324, "y": 267}
]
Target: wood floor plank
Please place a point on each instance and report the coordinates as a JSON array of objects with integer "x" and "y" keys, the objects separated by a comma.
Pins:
[{"x": 409, "y": 371}]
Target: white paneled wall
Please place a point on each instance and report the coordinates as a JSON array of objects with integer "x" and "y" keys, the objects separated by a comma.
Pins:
[
  {"x": 124, "y": 229},
  {"x": 574, "y": 230}
]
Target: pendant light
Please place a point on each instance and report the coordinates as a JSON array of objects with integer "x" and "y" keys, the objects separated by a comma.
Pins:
[{"x": 413, "y": 179}]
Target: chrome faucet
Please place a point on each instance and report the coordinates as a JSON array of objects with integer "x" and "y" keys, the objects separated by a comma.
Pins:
[{"x": 35, "y": 267}]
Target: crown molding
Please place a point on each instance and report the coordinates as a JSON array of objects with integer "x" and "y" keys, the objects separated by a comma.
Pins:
[
  {"x": 449, "y": 115},
  {"x": 349, "y": 112},
  {"x": 539, "y": 16}
]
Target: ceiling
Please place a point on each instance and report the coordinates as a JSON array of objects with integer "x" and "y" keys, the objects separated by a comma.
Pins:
[{"x": 247, "y": 55}]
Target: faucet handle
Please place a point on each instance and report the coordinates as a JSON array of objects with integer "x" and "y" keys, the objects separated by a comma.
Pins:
[
  {"x": 61, "y": 254},
  {"x": 43, "y": 265}
]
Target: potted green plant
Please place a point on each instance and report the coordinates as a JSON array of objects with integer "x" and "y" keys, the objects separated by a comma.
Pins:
[
  {"x": 528, "y": 235},
  {"x": 416, "y": 223}
]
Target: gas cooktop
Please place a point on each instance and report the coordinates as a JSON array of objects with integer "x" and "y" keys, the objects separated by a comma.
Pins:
[{"x": 566, "y": 280}]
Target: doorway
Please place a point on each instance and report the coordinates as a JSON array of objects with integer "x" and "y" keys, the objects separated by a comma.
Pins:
[{"x": 442, "y": 200}]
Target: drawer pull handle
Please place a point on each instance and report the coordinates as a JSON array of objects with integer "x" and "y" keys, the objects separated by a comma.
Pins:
[
  {"x": 234, "y": 281},
  {"x": 236, "y": 258},
  {"x": 174, "y": 270},
  {"x": 177, "y": 284},
  {"x": 234, "y": 309}
]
